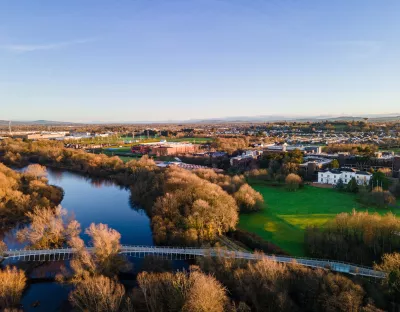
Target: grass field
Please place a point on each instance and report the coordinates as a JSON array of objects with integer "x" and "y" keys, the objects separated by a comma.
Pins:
[
  {"x": 287, "y": 214},
  {"x": 396, "y": 150}
]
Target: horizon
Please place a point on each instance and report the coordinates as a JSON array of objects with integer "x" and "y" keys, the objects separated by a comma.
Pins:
[
  {"x": 200, "y": 60},
  {"x": 263, "y": 118}
]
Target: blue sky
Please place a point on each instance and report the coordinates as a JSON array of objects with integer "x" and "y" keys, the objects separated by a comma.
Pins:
[{"x": 142, "y": 60}]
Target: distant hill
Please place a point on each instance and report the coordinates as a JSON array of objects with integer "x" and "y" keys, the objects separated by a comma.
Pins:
[
  {"x": 236, "y": 119},
  {"x": 36, "y": 122},
  {"x": 371, "y": 118}
]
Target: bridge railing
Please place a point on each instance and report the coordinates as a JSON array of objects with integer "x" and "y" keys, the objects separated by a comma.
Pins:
[{"x": 340, "y": 266}]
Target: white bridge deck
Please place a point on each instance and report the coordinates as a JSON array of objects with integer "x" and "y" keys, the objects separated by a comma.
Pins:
[{"x": 178, "y": 253}]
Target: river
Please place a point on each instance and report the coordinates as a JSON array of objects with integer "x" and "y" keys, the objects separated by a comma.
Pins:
[{"x": 90, "y": 200}]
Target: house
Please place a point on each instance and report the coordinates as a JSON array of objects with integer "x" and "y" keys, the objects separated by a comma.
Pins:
[{"x": 332, "y": 176}]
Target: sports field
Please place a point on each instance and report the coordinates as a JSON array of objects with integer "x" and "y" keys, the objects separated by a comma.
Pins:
[{"x": 287, "y": 214}]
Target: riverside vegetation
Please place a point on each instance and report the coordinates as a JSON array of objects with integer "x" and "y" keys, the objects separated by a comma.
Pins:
[
  {"x": 199, "y": 209},
  {"x": 185, "y": 207}
]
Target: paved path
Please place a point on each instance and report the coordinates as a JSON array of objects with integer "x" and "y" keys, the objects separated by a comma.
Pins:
[{"x": 192, "y": 252}]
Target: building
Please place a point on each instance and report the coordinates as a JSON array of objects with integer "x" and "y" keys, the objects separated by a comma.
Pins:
[
  {"x": 44, "y": 135},
  {"x": 333, "y": 176},
  {"x": 168, "y": 149},
  {"x": 287, "y": 148},
  {"x": 165, "y": 148}
]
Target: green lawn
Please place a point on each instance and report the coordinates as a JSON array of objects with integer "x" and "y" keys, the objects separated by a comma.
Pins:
[
  {"x": 191, "y": 140},
  {"x": 396, "y": 150},
  {"x": 288, "y": 213}
]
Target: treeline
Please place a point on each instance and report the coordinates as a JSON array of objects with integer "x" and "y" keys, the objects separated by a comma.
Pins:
[
  {"x": 266, "y": 285},
  {"x": 358, "y": 237},
  {"x": 185, "y": 207},
  {"x": 280, "y": 165},
  {"x": 246, "y": 197},
  {"x": 231, "y": 145},
  {"x": 191, "y": 210},
  {"x": 22, "y": 192},
  {"x": 354, "y": 149}
]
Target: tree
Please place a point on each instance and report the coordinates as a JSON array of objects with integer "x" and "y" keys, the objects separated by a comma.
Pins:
[
  {"x": 12, "y": 284},
  {"x": 352, "y": 186},
  {"x": 395, "y": 189},
  {"x": 48, "y": 228},
  {"x": 335, "y": 164},
  {"x": 340, "y": 185},
  {"x": 106, "y": 243},
  {"x": 182, "y": 291},
  {"x": 103, "y": 259},
  {"x": 359, "y": 237},
  {"x": 205, "y": 294},
  {"x": 248, "y": 199},
  {"x": 3, "y": 247},
  {"x": 36, "y": 170},
  {"x": 381, "y": 198},
  {"x": 391, "y": 265},
  {"x": 379, "y": 179},
  {"x": 293, "y": 182},
  {"x": 99, "y": 294}
]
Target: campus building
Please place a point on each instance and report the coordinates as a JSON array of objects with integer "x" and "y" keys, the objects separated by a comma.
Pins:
[
  {"x": 165, "y": 148},
  {"x": 332, "y": 176}
]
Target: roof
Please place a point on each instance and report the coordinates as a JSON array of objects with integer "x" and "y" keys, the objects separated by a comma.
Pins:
[{"x": 340, "y": 170}]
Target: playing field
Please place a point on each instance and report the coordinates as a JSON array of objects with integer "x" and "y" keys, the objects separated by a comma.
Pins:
[{"x": 288, "y": 213}]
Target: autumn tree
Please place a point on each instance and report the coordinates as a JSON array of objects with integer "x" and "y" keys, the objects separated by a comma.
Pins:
[
  {"x": 192, "y": 209},
  {"x": 13, "y": 282},
  {"x": 377, "y": 197},
  {"x": 98, "y": 294},
  {"x": 103, "y": 259},
  {"x": 293, "y": 182},
  {"x": 182, "y": 291},
  {"x": 48, "y": 228},
  {"x": 107, "y": 245},
  {"x": 391, "y": 265},
  {"x": 359, "y": 237},
  {"x": 3, "y": 247},
  {"x": 248, "y": 199},
  {"x": 21, "y": 193},
  {"x": 36, "y": 170}
]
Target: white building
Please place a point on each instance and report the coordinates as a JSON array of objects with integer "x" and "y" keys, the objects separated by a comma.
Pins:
[{"x": 332, "y": 176}]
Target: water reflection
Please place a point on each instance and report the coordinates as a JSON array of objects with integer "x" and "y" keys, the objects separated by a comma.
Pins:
[{"x": 90, "y": 200}]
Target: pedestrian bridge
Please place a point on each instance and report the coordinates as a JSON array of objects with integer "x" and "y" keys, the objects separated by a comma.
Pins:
[{"x": 183, "y": 253}]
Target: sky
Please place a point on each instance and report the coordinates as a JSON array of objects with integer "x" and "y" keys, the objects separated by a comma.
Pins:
[{"x": 164, "y": 60}]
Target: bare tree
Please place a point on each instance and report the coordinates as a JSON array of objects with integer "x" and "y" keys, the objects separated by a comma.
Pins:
[
  {"x": 99, "y": 294},
  {"x": 3, "y": 247},
  {"x": 248, "y": 199},
  {"x": 106, "y": 243},
  {"x": 12, "y": 284},
  {"x": 191, "y": 291},
  {"x": 48, "y": 228},
  {"x": 36, "y": 170},
  {"x": 293, "y": 181},
  {"x": 206, "y": 294},
  {"x": 391, "y": 265}
]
